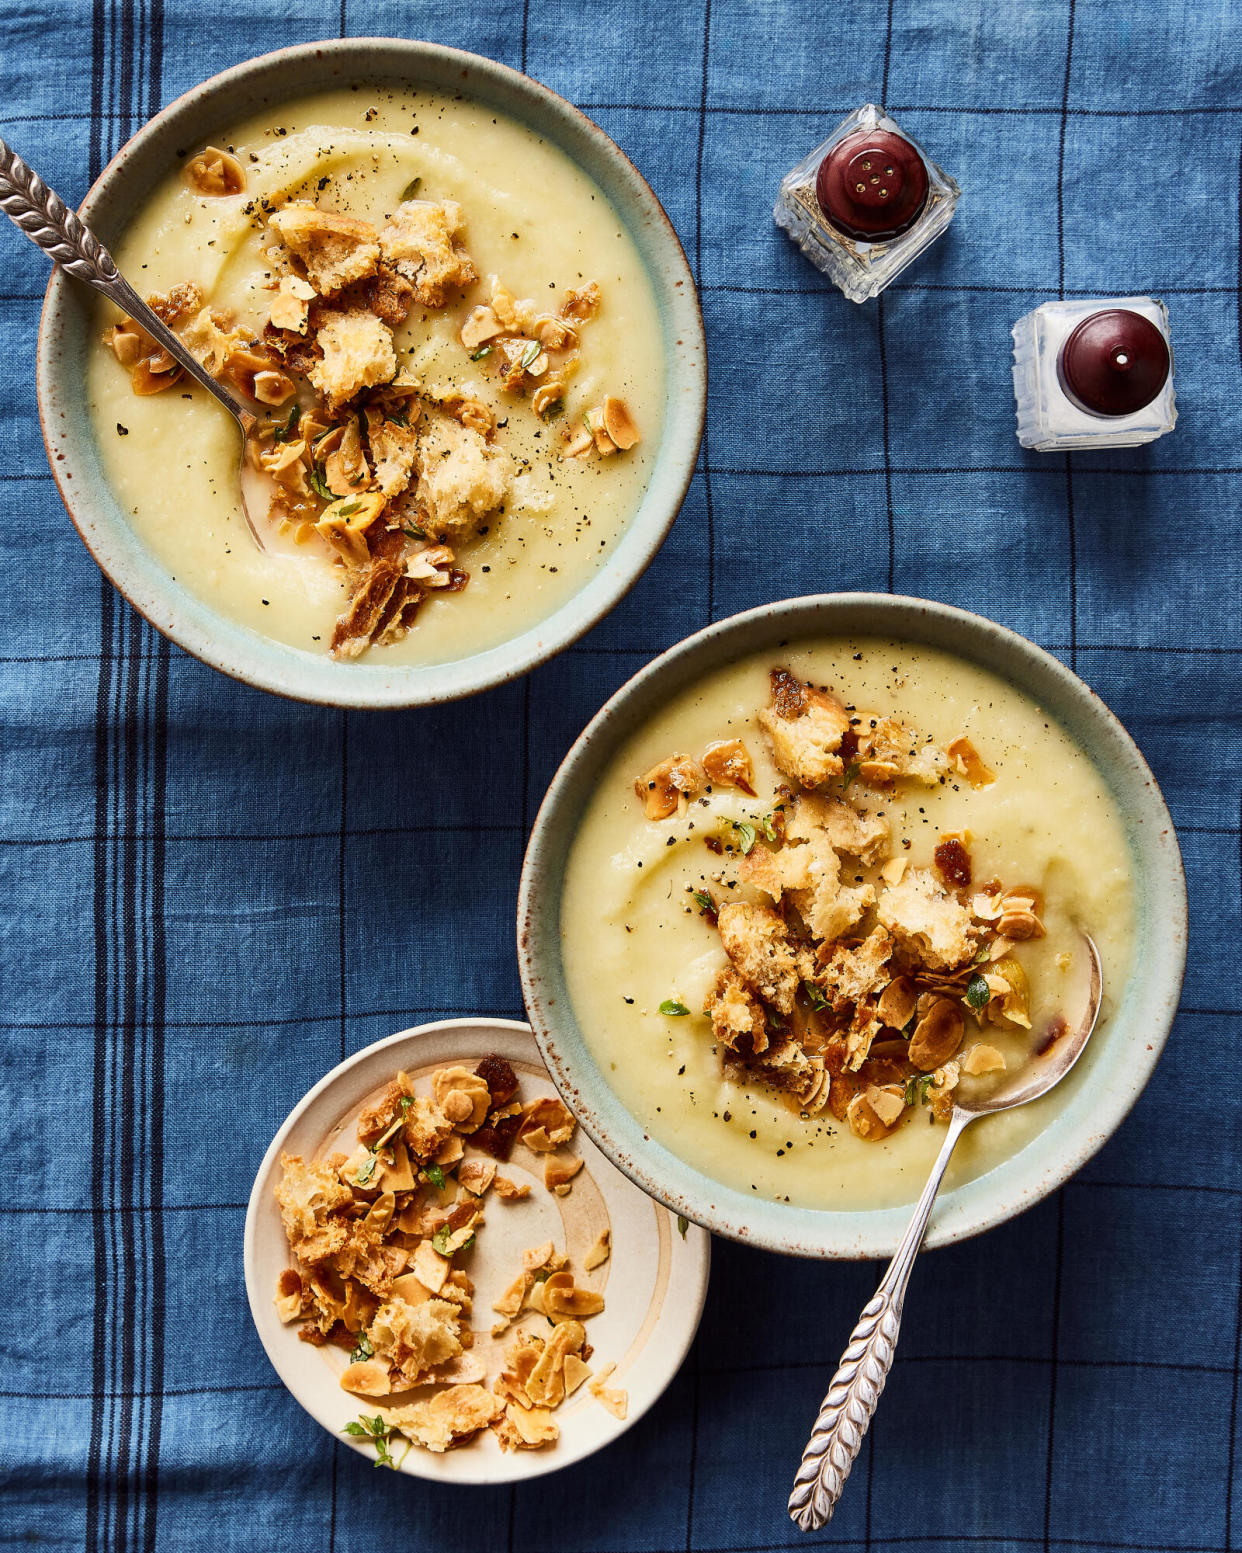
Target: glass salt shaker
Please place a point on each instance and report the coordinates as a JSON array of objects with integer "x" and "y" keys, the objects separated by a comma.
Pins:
[
  {"x": 1093, "y": 374},
  {"x": 865, "y": 203}
]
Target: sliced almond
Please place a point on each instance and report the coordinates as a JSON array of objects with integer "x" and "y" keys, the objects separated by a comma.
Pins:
[{"x": 619, "y": 423}]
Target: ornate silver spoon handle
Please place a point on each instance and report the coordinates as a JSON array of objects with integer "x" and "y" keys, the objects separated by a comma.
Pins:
[
  {"x": 855, "y": 1391},
  {"x": 49, "y": 223}
]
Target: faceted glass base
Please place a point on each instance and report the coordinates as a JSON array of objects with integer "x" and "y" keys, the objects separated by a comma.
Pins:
[
  {"x": 861, "y": 269},
  {"x": 1047, "y": 418}
]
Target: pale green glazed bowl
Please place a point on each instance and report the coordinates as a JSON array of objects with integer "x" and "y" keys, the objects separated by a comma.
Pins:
[
  {"x": 66, "y": 336},
  {"x": 1120, "y": 1059}
]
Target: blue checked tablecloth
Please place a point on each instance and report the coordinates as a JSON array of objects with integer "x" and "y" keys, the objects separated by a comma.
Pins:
[{"x": 192, "y": 870}]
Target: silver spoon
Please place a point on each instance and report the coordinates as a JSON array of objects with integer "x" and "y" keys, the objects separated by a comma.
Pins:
[
  {"x": 49, "y": 223},
  {"x": 855, "y": 1391}
]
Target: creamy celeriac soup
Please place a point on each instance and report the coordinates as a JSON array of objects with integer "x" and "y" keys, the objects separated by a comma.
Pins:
[
  {"x": 506, "y": 271},
  {"x": 828, "y": 890}
]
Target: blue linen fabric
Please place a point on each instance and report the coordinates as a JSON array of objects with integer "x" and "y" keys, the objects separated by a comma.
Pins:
[{"x": 211, "y": 896}]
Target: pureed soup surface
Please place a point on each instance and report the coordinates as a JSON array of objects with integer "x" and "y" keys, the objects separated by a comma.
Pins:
[
  {"x": 633, "y": 937},
  {"x": 533, "y": 219}
]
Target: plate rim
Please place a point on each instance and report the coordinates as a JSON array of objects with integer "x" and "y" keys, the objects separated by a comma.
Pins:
[{"x": 533, "y": 1464}]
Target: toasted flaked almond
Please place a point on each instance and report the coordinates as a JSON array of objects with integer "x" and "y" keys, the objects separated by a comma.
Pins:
[
  {"x": 538, "y": 1256},
  {"x": 554, "y": 333},
  {"x": 599, "y": 1252},
  {"x": 127, "y": 343},
  {"x": 727, "y": 763},
  {"x": 888, "y": 1102},
  {"x": 476, "y": 1175},
  {"x": 511, "y": 1191},
  {"x": 661, "y": 789},
  {"x": 562, "y": 1299},
  {"x": 1020, "y": 926},
  {"x": 578, "y": 442},
  {"x": 864, "y": 1121},
  {"x": 368, "y": 1378},
  {"x": 619, "y": 423},
  {"x": 547, "y": 397},
  {"x": 937, "y": 1035},
  {"x": 1012, "y": 1002},
  {"x": 480, "y": 326},
  {"x": 559, "y": 1171},
  {"x": 897, "y": 1002},
  {"x": 151, "y": 376},
  {"x": 894, "y": 871},
  {"x": 215, "y": 172},
  {"x": 982, "y": 1059},
  {"x": 272, "y": 387},
  {"x": 594, "y": 419},
  {"x": 969, "y": 763},
  {"x": 614, "y": 1400}
]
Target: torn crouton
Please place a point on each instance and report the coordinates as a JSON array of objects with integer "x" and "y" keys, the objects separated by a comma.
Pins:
[
  {"x": 446, "y": 1418},
  {"x": 762, "y": 949},
  {"x": 738, "y": 1018},
  {"x": 336, "y": 249},
  {"x": 888, "y": 749},
  {"x": 464, "y": 479},
  {"x": 422, "y": 243},
  {"x": 853, "y": 972},
  {"x": 357, "y": 353},
  {"x": 806, "y": 727},
  {"x": 921, "y": 913}
]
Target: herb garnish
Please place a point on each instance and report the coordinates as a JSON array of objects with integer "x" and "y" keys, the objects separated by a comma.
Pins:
[
  {"x": 376, "y": 1430},
  {"x": 917, "y": 1086},
  {"x": 411, "y": 189},
  {"x": 319, "y": 484},
  {"x": 436, "y": 1176},
  {"x": 978, "y": 993},
  {"x": 703, "y": 900},
  {"x": 818, "y": 1000},
  {"x": 851, "y": 772},
  {"x": 364, "y": 1173},
  {"x": 362, "y": 1348},
  {"x": 747, "y": 832},
  {"x": 673, "y": 1008},
  {"x": 483, "y": 350},
  {"x": 348, "y": 510},
  {"x": 285, "y": 432},
  {"x": 414, "y": 532},
  {"x": 530, "y": 355},
  {"x": 683, "y": 1224}
]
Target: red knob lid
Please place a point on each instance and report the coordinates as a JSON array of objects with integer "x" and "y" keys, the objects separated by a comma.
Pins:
[
  {"x": 872, "y": 185},
  {"x": 1114, "y": 362}
]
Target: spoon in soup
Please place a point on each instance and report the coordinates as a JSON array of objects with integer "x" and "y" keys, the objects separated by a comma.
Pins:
[
  {"x": 855, "y": 1391},
  {"x": 49, "y": 223}
]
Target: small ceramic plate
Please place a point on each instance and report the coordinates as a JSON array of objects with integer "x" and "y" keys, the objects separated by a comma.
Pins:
[{"x": 654, "y": 1282}]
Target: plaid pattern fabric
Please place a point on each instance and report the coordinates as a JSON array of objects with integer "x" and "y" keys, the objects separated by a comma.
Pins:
[{"x": 211, "y": 895}]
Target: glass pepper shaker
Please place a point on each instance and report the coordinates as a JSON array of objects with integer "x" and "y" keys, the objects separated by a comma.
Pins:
[
  {"x": 1093, "y": 374},
  {"x": 865, "y": 203}
]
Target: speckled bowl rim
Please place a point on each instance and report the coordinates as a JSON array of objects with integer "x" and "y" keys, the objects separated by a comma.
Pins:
[
  {"x": 64, "y": 334},
  {"x": 1143, "y": 1013}
]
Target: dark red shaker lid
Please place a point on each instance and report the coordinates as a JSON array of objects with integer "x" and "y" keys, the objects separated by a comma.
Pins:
[
  {"x": 872, "y": 185},
  {"x": 1114, "y": 362}
]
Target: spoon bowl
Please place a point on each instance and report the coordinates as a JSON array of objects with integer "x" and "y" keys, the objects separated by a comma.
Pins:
[{"x": 1060, "y": 1047}]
